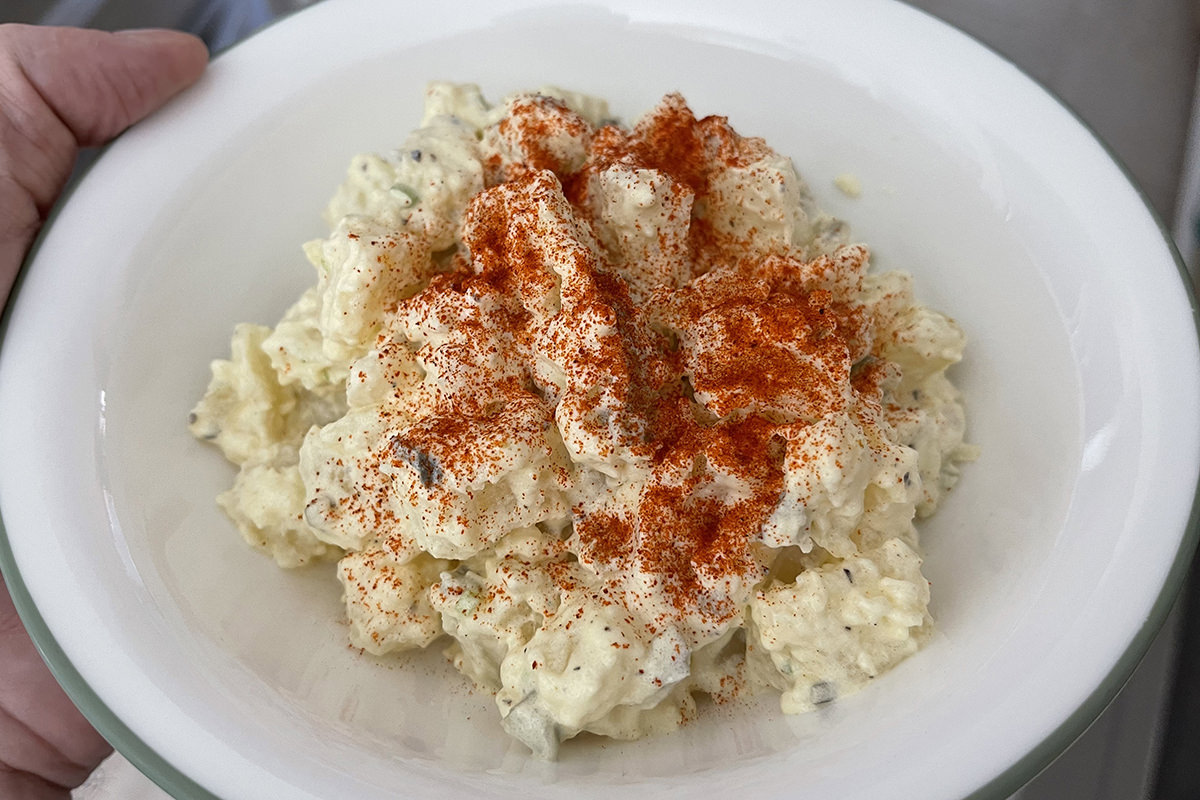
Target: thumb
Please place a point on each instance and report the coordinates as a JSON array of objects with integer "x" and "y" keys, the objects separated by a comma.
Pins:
[
  {"x": 99, "y": 83},
  {"x": 65, "y": 88}
]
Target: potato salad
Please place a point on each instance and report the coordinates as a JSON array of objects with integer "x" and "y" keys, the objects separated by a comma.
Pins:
[{"x": 614, "y": 415}]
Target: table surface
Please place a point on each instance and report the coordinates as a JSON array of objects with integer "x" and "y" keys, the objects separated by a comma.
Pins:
[{"x": 1129, "y": 71}]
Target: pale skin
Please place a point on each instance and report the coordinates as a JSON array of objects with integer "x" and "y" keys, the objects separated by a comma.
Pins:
[{"x": 61, "y": 89}]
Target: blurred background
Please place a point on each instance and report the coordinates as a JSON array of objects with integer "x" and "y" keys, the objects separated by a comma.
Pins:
[{"x": 1128, "y": 69}]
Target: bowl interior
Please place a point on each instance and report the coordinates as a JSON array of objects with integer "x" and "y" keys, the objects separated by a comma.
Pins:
[{"x": 240, "y": 674}]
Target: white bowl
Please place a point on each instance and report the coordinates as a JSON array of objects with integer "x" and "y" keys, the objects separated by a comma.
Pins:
[{"x": 1052, "y": 564}]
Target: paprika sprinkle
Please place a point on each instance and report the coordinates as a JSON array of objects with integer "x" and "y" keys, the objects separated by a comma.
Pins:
[{"x": 616, "y": 411}]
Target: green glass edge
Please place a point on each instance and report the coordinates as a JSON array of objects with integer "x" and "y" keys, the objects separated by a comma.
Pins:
[
  {"x": 178, "y": 785},
  {"x": 1091, "y": 708},
  {"x": 82, "y": 695},
  {"x": 1025, "y": 769},
  {"x": 150, "y": 763}
]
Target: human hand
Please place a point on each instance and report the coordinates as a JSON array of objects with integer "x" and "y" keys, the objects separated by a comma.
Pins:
[{"x": 61, "y": 89}]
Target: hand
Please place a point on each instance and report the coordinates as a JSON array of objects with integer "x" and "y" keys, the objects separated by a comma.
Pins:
[{"x": 61, "y": 89}]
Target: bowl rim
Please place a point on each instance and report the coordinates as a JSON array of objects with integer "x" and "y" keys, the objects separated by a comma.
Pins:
[{"x": 176, "y": 783}]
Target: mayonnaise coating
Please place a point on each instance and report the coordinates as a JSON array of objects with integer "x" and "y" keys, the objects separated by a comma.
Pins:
[{"x": 616, "y": 415}]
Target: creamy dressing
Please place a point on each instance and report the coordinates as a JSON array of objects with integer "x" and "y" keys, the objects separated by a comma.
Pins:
[{"x": 616, "y": 414}]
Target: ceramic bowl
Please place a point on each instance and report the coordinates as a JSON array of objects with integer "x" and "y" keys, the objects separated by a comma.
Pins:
[{"x": 218, "y": 674}]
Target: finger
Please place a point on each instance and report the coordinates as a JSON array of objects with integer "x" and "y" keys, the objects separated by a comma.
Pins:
[
  {"x": 30, "y": 787},
  {"x": 65, "y": 88},
  {"x": 100, "y": 83},
  {"x": 42, "y": 734}
]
